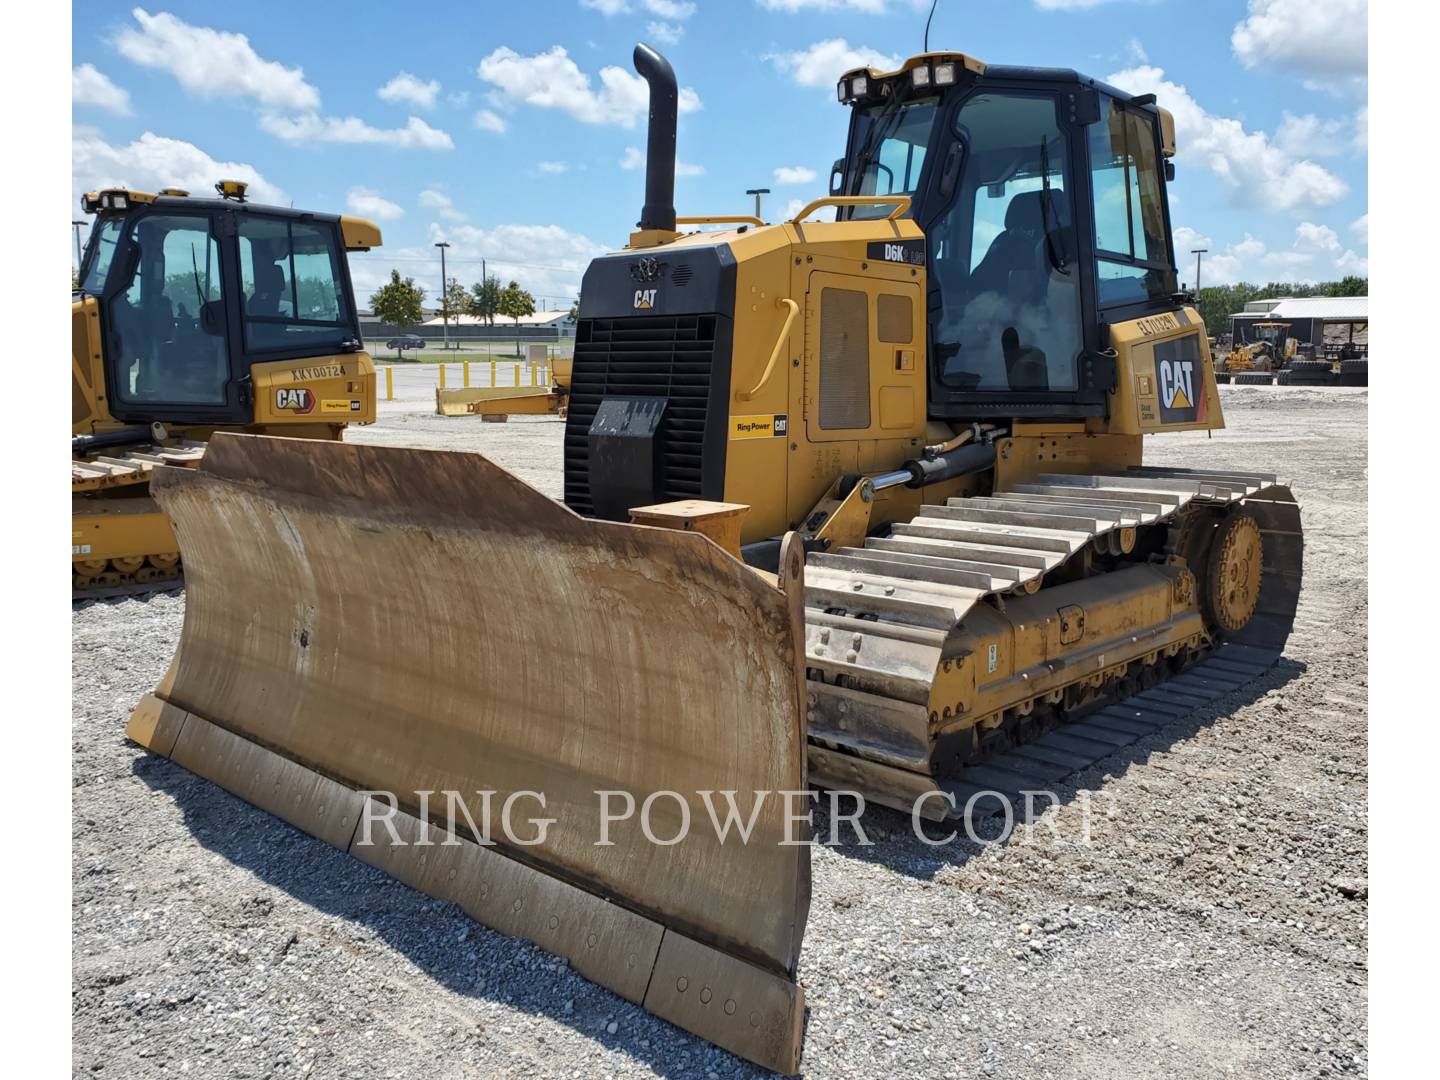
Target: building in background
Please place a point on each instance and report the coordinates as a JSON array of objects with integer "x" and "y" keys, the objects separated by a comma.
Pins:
[{"x": 1313, "y": 320}]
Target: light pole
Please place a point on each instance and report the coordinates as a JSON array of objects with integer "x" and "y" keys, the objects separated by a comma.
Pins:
[
  {"x": 444, "y": 295},
  {"x": 77, "y": 225},
  {"x": 757, "y": 192},
  {"x": 1197, "y": 252}
]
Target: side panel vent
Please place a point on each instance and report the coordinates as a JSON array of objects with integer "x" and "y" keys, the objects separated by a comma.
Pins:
[{"x": 844, "y": 359}]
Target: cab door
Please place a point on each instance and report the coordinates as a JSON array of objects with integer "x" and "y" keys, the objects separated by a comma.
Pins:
[{"x": 167, "y": 328}]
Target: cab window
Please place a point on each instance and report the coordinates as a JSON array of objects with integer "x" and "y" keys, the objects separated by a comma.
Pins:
[
  {"x": 1133, "y": 255},
  {"x": 291, "y": 277},
  {"x": 890, "y": 143}
]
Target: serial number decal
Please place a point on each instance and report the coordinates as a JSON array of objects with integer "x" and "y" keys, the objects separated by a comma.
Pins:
[
  {"x": 768, "y": 426},
  {"x": 80, "y": 549},
  {"x": 324, "y": 371},
  {"x": 1158, "y": 324}
]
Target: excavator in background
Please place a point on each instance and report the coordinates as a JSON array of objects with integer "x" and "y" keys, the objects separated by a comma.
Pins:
[
  {"x": 856, "y": 503},
  {"x": 193, "y": 315}
]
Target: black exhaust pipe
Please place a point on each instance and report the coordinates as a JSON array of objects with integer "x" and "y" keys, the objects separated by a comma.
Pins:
[{"x": 659, "y": 210}]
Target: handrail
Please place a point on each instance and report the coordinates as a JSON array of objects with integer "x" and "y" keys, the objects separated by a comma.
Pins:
[
  {"x": 900, "y": 202},
  {"x": 746, "y": 395},
  {"x": 719, "y": 219}
]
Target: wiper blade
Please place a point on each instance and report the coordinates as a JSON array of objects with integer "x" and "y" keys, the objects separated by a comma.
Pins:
[{"x": 1047, "y": 207}]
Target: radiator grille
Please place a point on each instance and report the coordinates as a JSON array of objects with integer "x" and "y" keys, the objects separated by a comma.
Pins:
[{"x": 667, "y": 356}]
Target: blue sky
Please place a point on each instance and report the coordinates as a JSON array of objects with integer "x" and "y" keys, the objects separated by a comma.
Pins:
[{"x": 514, "y": 130}]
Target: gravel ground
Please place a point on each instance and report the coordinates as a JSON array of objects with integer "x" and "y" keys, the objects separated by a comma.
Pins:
[{"x": 1215, "y": 923}]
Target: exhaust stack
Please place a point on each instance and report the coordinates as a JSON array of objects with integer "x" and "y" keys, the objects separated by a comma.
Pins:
[{"x": 659, "y": 209}]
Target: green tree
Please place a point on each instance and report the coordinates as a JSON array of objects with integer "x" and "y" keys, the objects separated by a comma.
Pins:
[
  {"x": 399, "y": 302},
  {"x": 516, "y": 303},
  {"x": 575, "y": 308},
  {"x": 486, "y": 299},
  {"x": 457, "y": 300}
]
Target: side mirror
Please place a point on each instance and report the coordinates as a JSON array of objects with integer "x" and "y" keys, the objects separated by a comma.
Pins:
[
  {"x": 837, "y": 176},
  {"x": 1169, "y": 172}
]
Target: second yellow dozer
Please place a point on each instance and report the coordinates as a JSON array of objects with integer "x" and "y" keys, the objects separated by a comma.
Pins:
[
  {"x": 857, "y": 503},
  {"x": 192, "y": 315}
]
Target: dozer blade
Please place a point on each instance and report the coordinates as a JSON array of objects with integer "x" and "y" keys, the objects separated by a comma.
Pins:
[{"x": 369, "y": 619}]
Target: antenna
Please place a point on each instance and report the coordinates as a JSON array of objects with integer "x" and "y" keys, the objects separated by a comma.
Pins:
[{"x": 926, "y": 47}]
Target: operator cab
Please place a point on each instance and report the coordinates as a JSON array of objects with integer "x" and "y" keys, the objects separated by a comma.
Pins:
[
  {"x": 193, "y": 291},
  {"x": 1042, "y": 196}
]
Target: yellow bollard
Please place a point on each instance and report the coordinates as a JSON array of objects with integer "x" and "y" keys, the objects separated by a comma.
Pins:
[
  {"x": 442, "y": 376},
  {"x": 517, "y": 376},
  {"x": 389, "y": 383},
  {"x": 534, "y": 371},
  {"x": 466, "y": 366},
  {"x": 492, "y": 372}
]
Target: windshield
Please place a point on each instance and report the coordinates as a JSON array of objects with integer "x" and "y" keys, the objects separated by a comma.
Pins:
[
  {"x": 100, "y": 254},
  {"x": 889, "y": 151}
]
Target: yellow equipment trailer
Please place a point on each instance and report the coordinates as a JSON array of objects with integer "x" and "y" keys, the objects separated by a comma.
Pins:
[
  {"x": 193, "y": 315},
  {"x": 953, "y": 564}
]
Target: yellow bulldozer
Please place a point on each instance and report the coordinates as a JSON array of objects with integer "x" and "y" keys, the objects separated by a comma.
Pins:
[
  {"x": 858, "y": 504},
  {"x": 193, "y": 315}
]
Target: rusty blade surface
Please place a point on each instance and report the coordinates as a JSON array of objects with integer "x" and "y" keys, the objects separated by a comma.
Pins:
[{"x": 421, "y": 621}]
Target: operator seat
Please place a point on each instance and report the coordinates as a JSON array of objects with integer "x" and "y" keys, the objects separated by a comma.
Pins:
[{"x": 269, "y": 291}]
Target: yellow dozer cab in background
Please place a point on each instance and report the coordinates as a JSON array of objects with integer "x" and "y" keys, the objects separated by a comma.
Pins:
[
  {"x": 194, "y": 315},
  {"x": 898, "y": 539}
]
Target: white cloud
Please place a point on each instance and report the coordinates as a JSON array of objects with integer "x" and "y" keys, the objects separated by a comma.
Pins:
[
  {"x": 824, "y": 62},
  {"x": 678, "y": 10},
  {"x": 871, "y": 7},
  {"x": 551, "y": 80},
  {"x": 91, "y": 87},
  {"x": 441, "y": 204},
  {"x": 152, "y": 162},
  {"x": 1361, "y": 228},
  {"x": 415, "y": 135},
  {"x": 665, "y": 33},
  {"x": 635, "y": 159},
  {"x": 1316, "y": 254},
  {"x": 486, "y": 120},
  {"x": 1361, "y": 141},
  {"x": 213, "y": 63},
  {"x": 794, "y": 174},
  {"x": 1309, "y": 136},
  {"x": 1250, "y": 164},
  {"x": 546, "y": 259},
  {"x": 406, "y": 88},
  {"x": 1187, "y": 240},
  {"x": 371, "y": 204},
  {"x": 553, "y": 167},
  {"x": 1329, "y": 36},
  {"x": 1316, "y": 239}
]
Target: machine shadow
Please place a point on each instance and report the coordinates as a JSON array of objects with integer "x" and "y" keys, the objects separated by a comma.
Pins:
[
  {"x": 462, "y": 955},
  {"x": 896, "y": 847}
]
